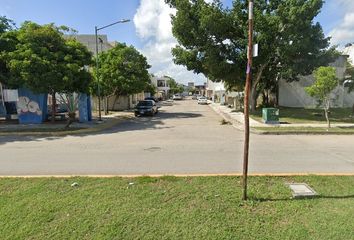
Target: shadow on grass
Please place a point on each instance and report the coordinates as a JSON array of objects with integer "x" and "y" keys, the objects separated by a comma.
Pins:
[{"x": 301, "y": 198}]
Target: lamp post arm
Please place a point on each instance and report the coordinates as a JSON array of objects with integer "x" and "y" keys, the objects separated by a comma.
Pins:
[{"x": 120, "y": 21}]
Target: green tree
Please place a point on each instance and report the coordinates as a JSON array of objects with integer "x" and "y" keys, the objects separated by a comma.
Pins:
[
  {"x": 213, "y": 40},
  {"x": 174, "y": 86},
  {"x": 150, "y": 88},
  {"x": 6, "y": 45},
  {"x": 122, "y": 71},
  {"x": 45, "y": 62},
  {"x": 348, "y": 80},
  {"x": 325, "y": 82}
]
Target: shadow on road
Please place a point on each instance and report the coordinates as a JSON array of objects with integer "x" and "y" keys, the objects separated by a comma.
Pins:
[
  {"x": 8, "y": 139},
  {"x": 134, "y": 124},
  {"x": 149, "y": 123}
]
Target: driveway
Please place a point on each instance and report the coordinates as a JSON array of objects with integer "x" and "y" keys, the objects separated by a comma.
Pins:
[{"x": 185, "y": 138}]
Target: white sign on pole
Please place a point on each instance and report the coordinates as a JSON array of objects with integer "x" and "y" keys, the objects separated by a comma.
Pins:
[{"x": 255, "y": 50}]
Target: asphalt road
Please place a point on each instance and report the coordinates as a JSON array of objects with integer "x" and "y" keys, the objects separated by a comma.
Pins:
[{"x": 185, "y": 138}]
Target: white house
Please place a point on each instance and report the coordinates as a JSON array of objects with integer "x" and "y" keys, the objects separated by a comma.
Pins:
[
  {"x": 161, "y": 83},
  {"x": 216, "y": 91}
]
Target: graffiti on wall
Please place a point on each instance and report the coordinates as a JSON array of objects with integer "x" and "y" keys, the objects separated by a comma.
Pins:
[{"x": 25, "y": 105}]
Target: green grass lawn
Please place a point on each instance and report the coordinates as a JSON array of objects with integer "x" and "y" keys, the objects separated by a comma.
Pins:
[
  {"x": 301, "y": 115},
  {"x": 310, "y": 130},
  {"x": 175, "y": 208}
]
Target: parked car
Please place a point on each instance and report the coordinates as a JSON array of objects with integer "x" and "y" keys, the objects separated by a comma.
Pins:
[
  {"x": 177, "y": 97},
  {"x": 202, "y": 100},
  {"x": 151, "y": 98},
  {"x": 146, "y": 107}
]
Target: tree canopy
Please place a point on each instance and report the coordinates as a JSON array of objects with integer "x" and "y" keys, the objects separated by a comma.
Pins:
[
  {"x": 45, "y": 62},
  {"x": 174, "y": 86},
  {"x": 6, "y": 45},
  {"x": 213, "y": 40},
  {"x": 325, "y": 82},
  {"x": 39, "y": 58},
  {"x": 123, "y": 71}
]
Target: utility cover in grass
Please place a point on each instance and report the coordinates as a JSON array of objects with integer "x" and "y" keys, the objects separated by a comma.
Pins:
[{"x": 301, "y": 190}]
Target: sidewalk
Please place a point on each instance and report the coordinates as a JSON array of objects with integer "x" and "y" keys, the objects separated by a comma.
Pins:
[
  {"x": 237, "y": 119},
  {"x": 59, "y": 126}
]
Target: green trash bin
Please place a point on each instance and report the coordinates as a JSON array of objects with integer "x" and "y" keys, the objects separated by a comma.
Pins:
[{"x": 270, "y": 115}]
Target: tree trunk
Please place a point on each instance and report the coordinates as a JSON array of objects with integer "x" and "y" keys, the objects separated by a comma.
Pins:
[
  {"x": 277, "y": 95},
  {"x": 54, "y": 109},
  {"x": 115, "y": 101},
  {"x": 327, "y": 118},
  {"x": 106, "y": 103},
  {"x": 254, "y": 93},
  {"x": 254, "y": 97},
  {"x": 326, "y": 108},
  {"x": 72, "y": 118}
]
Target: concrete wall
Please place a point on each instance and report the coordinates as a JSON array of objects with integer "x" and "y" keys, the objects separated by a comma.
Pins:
[
  {"x": 89, "y": 40},
  {"x": 119, "y": 103},
  {"x": 292, "y": 94}
]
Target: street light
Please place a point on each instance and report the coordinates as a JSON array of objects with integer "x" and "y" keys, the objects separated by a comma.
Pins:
[{"x": 97, "y": 75}]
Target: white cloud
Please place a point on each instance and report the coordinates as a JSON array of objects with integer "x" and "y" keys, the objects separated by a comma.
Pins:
[
  {"x": 344, "y": 32},
  {"x": 348, "y": 4},
  {"x": 153, "y": 25}
]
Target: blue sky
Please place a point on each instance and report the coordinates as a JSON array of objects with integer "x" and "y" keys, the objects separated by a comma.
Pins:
[{"x": 149, "y": 29}]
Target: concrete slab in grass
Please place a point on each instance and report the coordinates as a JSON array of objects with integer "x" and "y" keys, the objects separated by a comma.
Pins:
[{"x": 301, "y": 190}]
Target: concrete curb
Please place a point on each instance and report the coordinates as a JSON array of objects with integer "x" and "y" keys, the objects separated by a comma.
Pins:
[
  {"x": 179, "y": 175},
  {"x": 239, "y": 126},
  {"x": 97, "y": 128},
  {"x": 261, "y": 132}
]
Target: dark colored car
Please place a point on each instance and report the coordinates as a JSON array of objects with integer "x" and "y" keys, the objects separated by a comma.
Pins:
[{"x": 146, "y": 107}]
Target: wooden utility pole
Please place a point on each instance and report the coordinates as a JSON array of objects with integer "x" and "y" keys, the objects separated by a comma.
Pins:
[{"x": 246, "y": 100}]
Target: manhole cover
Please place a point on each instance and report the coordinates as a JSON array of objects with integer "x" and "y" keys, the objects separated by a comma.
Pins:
[
  {"x": 153, "y": 149},
  {"x": 301, "y": 190}
]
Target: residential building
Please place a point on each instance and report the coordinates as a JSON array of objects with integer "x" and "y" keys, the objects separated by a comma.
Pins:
[
  {"x": 216, "y": 91},
  {"x": 190, "y": 85},
  {"x": 200, "y": 89},
  {"x": 162, "y": 86}
]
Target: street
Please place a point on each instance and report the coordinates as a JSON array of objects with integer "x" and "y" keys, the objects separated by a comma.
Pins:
[{"x": 185, "y": 138}]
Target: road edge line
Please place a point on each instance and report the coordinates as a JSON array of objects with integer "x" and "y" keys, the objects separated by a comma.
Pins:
[{"x": 176, "y": 175}]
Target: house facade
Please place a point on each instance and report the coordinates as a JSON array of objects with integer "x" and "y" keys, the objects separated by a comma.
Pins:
[
  {"x": 200, "y": 89},
  {"x": 216, "y": 91},
  {"x": 161, "y": 83}
]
